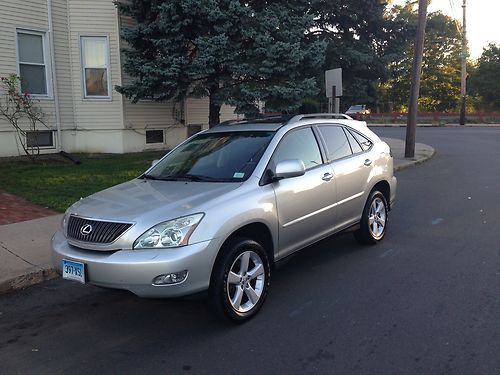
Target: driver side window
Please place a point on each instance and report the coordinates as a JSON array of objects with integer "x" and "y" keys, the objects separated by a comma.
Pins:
[{"x": 299, "y": 144}]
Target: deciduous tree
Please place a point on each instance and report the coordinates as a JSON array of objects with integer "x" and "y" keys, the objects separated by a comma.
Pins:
[
  {"x": 440, "y": 80},
  {"x": 485, "y": 78}
]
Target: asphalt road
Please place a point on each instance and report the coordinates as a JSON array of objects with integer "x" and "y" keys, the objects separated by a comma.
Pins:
[{"x": 425, "y": 301}]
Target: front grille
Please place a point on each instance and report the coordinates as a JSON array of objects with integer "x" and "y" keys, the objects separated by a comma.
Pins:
[{"x": 95, "y": 231}]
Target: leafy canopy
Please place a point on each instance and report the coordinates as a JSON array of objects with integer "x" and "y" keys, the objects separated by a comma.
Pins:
[
  {"x": 440, "y": 79},
  {"x": 485, "y": 78}
]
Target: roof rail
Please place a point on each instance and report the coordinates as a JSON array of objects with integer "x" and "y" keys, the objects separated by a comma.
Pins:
[
  {"x": 259, "y": 120},
  {"x": 308, "y": 116}
]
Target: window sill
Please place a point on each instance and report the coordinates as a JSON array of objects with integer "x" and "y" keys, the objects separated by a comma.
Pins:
[{"x": 97, "y": 99}]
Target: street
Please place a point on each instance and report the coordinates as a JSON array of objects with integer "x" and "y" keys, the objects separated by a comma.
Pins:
[{"x": 424, "y": 301}]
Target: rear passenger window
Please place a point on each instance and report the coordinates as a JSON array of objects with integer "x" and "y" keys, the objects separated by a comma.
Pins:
[
  {"x": 299, "y": 144},
  {"x": 337, "y": 145},
  {"x": 365, "y": 143}
]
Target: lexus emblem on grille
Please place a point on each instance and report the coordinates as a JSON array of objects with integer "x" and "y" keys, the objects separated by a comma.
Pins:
[{"x": 86, "y": 229}]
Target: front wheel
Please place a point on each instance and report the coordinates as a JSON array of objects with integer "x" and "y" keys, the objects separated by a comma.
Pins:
[
  {"x": 240, "y": 280},
  {"x": 373, "y": 225}
]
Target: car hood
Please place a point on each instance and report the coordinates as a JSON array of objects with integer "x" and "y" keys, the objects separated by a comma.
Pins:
[{"x": 144, "y": 200}]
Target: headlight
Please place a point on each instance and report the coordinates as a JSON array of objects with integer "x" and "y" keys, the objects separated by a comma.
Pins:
[
  {"x": 170, "y": 233},
  {"x": 64, "y": 222}
]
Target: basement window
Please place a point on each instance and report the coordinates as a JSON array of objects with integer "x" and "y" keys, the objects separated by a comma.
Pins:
[
  {"x": 41, "y": 138},
  {"x": 193, "y": 129},
  {"x": 155, "y": 136}
]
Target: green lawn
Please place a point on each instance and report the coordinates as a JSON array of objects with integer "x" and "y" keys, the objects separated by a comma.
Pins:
[{"x": 56, "y": 182}]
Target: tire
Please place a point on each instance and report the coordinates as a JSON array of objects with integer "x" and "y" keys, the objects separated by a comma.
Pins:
[
  {"x": 240, "y": 280},
  {"x": 373, "y": 224}
]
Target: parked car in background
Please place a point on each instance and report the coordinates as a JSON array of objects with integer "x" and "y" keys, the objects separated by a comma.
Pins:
[
  {"x": 222, "y": 207},
  {"x": 358, "y": 111}
]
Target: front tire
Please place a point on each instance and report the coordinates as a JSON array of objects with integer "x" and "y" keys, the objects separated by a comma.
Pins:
[
  {"x": 373, "y": 225},
  {"x": 240, "y": 280}
]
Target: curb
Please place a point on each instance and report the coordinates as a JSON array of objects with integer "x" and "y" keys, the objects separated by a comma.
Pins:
[
  {"x": 29, "y": 279},
  {"x": 411, "y": 163}
]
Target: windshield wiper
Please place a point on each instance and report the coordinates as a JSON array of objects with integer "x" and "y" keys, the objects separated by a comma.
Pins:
[
  {"x": 179, "y": 177},
  {"x": 193, "y": 177},
  {"x": 146, "y": 176}
]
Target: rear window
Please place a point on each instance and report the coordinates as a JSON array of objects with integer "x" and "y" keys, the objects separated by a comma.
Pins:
[{"x": 337, "y": 146}]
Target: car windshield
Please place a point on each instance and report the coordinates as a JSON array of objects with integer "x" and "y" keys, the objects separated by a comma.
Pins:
[{"x": 217, "y": 157}]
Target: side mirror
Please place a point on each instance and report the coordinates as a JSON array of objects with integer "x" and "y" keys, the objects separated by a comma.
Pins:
[
  {"x": 289, "y": 168},
  {"x": 154, "y": 162}
]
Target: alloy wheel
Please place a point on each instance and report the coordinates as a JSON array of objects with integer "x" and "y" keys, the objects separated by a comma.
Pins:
[{"x": 245, "y": 281}]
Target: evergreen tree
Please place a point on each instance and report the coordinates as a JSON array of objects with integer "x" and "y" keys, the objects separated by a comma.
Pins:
[
  {"x": 361, "y": 41},
  {"x": 236, "y": 52}
]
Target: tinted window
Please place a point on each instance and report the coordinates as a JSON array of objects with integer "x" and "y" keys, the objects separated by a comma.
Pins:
[
  {"x": 337, "y": 145},
  {"x": 365, "y": 143},
  {"x": 299, "y": 144},
  {"x": 355, "y": 147}
]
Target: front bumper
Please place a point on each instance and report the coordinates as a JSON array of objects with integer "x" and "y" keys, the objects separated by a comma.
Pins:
[{"x": 134, "y": 270}]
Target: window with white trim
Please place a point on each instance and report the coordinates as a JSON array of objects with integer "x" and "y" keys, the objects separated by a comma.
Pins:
[
  {"x": 95, "y": 66},
  {"x": 155, "y": 136},
  {"x": 40, "y": 138},
  {"x": 31, "y": 58}
]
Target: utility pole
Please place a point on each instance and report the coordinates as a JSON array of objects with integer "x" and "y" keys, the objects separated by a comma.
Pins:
[
  {"x": 415, "y": 80},
  {"x": 463, "y": 75}
]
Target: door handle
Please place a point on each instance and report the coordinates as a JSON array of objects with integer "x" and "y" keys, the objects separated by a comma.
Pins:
[
  {"x": 327, "y": 177},
  {"x": 368, "y": 162}
]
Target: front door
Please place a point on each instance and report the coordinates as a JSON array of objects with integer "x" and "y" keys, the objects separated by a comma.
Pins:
[{"x": 305, "y": 204}]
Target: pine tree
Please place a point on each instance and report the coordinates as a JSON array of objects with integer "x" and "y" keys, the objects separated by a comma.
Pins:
[{"x": 236, "y": 52}]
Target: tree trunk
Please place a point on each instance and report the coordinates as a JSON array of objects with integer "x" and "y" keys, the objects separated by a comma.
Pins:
[{"x": 214, "y": 108}]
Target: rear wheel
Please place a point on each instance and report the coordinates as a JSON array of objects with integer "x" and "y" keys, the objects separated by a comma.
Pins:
[
  {"x": 240, "y": 280},
  {"x": 373, "y": 223}
]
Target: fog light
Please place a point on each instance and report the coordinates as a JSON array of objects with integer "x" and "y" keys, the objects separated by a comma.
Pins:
[{"x": 170, "y": 278}]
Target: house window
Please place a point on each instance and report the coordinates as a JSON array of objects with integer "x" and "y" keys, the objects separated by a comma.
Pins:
[
  {"x": 44, "y": 138},
  {"x": 32, "y": 67},
  {"x": 154, "y": 136},
  {"x": 95, "y": 66},
  {"x": 193, "y": 129}
]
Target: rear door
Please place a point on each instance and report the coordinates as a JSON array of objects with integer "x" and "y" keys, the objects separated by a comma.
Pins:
[{"x": 352, "y": 168}]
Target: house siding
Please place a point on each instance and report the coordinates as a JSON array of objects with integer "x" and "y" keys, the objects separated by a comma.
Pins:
[
  {"x": 16, "y": 15},
  {"x": 89, "y": 125}
]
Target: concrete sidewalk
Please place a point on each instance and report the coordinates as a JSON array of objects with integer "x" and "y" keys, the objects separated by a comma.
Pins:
[{"x": 25, "y": 246}]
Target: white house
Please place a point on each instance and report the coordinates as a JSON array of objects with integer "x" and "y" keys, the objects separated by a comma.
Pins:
[{"x": 67, "y": 53}]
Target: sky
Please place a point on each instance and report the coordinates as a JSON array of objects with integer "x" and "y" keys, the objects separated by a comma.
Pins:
[{"x": 482, "y": 22}]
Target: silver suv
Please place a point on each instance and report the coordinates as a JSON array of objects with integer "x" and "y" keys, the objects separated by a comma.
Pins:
[{"x": 222, "y": 207}]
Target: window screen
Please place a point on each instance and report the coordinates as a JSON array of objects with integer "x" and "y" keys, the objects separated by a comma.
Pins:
[{"x": 32, "y": 63}]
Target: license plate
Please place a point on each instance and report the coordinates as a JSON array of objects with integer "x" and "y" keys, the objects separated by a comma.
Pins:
[{"x": 73, "y": 271}]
